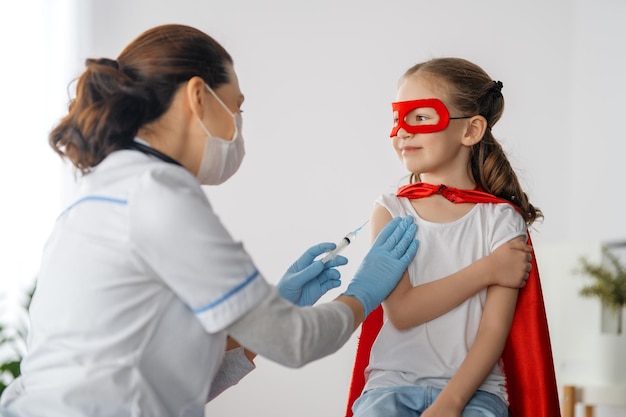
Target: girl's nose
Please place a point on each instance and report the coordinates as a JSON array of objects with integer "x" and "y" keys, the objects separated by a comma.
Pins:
[{"x": 403, "y": 134}]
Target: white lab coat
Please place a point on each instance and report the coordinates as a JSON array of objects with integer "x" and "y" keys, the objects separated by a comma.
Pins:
[{"x": 139, "y": 279}]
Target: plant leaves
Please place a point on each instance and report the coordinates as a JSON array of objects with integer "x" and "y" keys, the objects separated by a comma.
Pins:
[
  {"x": 13, "y": 367},
  {"x": 610, "y": 283}
]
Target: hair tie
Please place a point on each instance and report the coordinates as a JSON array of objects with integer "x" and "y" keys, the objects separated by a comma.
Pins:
[
  {"x": 111, "y": 63},
  {"x": 104, "y": 61},
  {"x": 497, "y": 86}
]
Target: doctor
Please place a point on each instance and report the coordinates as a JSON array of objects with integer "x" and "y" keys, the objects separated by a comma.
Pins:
[{"x": 141, "y": 286}]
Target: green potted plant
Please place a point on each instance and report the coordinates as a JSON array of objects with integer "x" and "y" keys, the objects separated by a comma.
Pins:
[
  {"x": 609, "y": 283},
  {"x": 13, "y": 345},
  {"x": 609, "y": 286}
]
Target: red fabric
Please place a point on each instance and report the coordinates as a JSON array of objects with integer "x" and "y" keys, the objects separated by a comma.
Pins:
[{"x": 527, "y": 355}]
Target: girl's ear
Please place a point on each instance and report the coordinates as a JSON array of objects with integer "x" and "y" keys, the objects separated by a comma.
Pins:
[
  {"x": 195, "y": 96},
  {"x": 475, "y": 130}
]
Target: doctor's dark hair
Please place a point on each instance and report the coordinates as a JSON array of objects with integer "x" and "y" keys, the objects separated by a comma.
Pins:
[
  {"x": 471, "y": 91},
  {"x": 114, "y": 98}
]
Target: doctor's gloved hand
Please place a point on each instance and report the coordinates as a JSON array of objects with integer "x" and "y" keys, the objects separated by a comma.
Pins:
[
  {"x": 384, "y": 264},
  {"x": 307, "y": 280}
]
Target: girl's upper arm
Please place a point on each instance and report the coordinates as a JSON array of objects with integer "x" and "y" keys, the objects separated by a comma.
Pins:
[
  {"x": 499, "y": 308},
  {"x": 378, "y": 220},
  {"x": 393, "y": 306},
  {"x": 486, "y": 350}
]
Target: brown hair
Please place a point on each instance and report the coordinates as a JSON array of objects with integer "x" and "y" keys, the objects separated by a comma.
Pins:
[
  {"x": 472, "y": 92},
  {"x": 114, "y": 98}
]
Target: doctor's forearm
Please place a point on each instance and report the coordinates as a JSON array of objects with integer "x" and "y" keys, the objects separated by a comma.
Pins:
[{"x": 294, "y": 336}]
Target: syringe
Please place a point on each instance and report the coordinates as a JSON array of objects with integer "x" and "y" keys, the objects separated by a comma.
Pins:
[{"x": 341, "y": 245}]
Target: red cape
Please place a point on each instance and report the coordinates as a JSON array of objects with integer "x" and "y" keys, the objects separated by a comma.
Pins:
[{"x": 527, "y": 355}]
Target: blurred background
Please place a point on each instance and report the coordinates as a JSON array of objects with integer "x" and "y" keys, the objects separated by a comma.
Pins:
[{"x": 319, "y": 78}]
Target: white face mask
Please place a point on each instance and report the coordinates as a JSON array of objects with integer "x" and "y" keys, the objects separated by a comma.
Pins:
[{"x": 221, "y": 158}]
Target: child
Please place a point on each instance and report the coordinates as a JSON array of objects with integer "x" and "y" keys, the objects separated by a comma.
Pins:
[{"x": 444, "y": 359}]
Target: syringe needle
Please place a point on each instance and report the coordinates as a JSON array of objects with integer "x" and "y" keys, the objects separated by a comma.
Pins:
[{"x": 360, "y": 227}]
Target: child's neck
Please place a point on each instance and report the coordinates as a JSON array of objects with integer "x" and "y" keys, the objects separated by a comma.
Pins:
[
  {"x": 461, "y": 182},
  {"x": 438, "y": 209}
]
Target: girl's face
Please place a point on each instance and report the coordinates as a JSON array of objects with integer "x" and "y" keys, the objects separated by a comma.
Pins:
[{"x": 438, "y": 157}]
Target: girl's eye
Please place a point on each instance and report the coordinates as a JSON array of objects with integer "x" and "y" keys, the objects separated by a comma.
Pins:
[{"x": 422, "y": 116}]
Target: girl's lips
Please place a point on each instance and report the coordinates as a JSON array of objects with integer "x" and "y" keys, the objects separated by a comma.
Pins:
[{"x": 410, "y": 149}]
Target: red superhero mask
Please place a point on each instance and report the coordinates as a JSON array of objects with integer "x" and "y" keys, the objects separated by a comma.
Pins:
[{"x": 420, "y": 116}]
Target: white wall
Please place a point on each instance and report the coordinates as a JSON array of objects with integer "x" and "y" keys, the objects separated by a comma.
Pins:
[
  {"x": 597, "y": 89},
  {"x": 319, "y": 78},
  {"x": 36, "y": 49}
]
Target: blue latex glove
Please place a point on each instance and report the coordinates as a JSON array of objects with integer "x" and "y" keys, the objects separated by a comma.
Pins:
[
  {"x": 384, "y": 264},
  {"x": 307, "y": 279}
]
